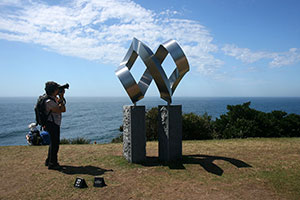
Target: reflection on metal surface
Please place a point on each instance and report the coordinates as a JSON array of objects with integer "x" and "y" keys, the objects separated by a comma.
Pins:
[{"x": 154, "y": 70}]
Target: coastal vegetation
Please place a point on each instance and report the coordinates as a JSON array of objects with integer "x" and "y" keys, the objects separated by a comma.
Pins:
[
  {"x": 241, "y": 121},
  {"x": 78, "y": 140}
]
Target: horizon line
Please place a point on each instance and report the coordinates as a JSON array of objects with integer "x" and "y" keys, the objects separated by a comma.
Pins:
[{"x": 159, "y": 97}]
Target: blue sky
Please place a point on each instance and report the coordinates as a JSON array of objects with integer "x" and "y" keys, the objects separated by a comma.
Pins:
[{"x": 234, "y": 47}]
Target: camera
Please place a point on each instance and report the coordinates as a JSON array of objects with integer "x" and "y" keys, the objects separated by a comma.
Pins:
[{"x": 62, "y": 87}]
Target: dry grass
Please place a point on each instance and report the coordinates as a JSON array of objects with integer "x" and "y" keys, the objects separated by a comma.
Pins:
[{"x": 217, "y": 169}]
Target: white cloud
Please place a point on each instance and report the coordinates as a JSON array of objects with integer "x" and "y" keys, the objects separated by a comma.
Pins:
[
  {"x": 102, "y": 30},
  {"x": 278, "y": 59},
  {"x": 286, "y": 58},
  {"x": 10, "y": 2},
  {"x": 169, "y": 12},
  {"x": 243, "y": 54}
]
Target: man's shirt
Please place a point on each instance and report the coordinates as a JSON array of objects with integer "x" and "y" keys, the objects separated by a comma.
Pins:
[{"x": 53, "y": 117}]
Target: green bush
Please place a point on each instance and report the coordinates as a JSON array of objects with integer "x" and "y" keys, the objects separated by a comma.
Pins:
[
  {"x": 150, "y": 123},
  {"x": 118, "y": 139},
  {"x": 80, "y": 140},
  {"x": 194, "y": 127},
  {"x": 291, "y": 124},
  {"x": 197, "y": 127},
  {"x": 77, "y": 140},
  {"x": 64, "y": 141},
  {"x": 240, "y": 121},
  {"x": 151, "y": 119}
]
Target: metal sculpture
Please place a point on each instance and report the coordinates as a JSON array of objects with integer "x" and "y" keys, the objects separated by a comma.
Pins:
[{"x": 154, "y": 70}]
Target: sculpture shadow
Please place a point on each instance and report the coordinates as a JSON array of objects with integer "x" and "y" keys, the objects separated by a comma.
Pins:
[
  {"x": 88, "y": 170},
  {"x": 205, "y": 161},
  {"x": 154, "y": 161}
]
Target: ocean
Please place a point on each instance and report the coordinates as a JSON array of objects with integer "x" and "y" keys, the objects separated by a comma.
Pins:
[{"x": 99, "y": 118}]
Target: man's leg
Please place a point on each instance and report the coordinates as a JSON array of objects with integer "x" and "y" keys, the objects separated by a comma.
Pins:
[
  {"x": 50, "y": 130},
  {"x": 54, "y": 131},
  {"x": 55, "y": 147}
]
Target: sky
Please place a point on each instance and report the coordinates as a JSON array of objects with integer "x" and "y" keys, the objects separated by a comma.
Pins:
[{"x": 235, "y": 48}]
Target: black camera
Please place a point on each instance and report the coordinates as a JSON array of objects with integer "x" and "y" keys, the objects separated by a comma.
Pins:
[{"x": 62, "y": 87}]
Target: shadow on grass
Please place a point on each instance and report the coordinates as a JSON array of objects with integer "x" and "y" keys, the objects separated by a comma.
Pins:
[
  {"x": 89, "y": 170},
  {"x": 205, "y": 161}
]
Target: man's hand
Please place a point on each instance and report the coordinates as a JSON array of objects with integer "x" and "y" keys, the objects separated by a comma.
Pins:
[
  {"x": 61, "y": 94},
  {"x": 61, "y": 103}
]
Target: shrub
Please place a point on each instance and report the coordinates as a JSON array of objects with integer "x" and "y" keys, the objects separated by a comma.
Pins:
[
  {"x": 196, "y": 127},
  {"x": 118, "y": 139},
  {"x": 77, "y": 140},
  {"x": 240, "y": 121},
  {"x": 152, "y": 124},
  {"x": 64, "y": 141},
  {"x": 291, "y": 125},
  {"x": 80, "y": 140}
]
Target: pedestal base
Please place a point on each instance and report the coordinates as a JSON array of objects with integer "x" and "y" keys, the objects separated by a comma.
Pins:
[
  {"x": 134, "y": 134},
  {"x": 170, "y": 132}
]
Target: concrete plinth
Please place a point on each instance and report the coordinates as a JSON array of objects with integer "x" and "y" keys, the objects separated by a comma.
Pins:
[
  {"x": 170, "y": 132},
  {"x": 134, "y": 134}
]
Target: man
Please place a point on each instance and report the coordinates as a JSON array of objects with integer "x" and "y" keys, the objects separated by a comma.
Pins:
[{"x": 54, "y": 107}]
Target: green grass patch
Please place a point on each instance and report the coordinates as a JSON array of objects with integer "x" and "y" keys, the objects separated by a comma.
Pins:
[
  {"x": 214, "y": 169},
  {"x": 119, "y": 161},
  {"x": 284, "y": 181}
]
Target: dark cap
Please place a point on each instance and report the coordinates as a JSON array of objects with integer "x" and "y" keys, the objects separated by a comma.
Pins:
[{"x": 50, "y": 87}]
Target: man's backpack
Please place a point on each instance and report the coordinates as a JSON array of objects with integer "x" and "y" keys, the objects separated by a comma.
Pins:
[{"x": 40, "y": 110}]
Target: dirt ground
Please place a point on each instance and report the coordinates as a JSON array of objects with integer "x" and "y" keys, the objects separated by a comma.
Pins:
[{"x": 216, "y": 169}]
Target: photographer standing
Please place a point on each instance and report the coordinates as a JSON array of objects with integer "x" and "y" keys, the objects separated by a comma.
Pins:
[{"x": 54, "y": 107}]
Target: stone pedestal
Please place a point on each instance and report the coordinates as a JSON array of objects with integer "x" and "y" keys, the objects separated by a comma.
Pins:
[
  {"x": 134, "y": 134},
  {"x": 170, "y": 132}
]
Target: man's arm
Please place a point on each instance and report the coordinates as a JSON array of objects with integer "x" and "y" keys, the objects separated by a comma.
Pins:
[
  {"x": 61, "y": 105},
  {"x": 59, "y": 108}
]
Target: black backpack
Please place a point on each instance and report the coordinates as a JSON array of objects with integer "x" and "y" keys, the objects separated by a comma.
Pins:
[
  {"x": 40, "y": 110},
  {"x": 36, "y": 138}
]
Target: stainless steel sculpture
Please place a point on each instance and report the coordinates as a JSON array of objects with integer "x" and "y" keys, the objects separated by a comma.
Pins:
[{"x": 154, "y": 70}]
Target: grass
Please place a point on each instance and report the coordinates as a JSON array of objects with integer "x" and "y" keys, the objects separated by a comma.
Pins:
[{"x": 213, "y": 169}]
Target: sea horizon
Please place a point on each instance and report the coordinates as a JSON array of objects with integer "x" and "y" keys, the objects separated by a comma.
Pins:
[
  {"x": 159, "y": 97},
  {"x": 99, "y": 118}
]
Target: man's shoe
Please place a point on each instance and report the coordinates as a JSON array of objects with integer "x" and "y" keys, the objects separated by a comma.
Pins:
[{"x": 55, "y": 167}]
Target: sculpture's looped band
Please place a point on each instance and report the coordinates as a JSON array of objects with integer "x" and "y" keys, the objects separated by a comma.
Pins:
[
  {"x": 182, "y": 65},
  {"x": 166, "y": 86}
]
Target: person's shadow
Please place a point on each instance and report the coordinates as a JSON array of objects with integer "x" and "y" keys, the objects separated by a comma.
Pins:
[
  {"x": 89, "y": 170},
  {"x": 205, "y": 161}
]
